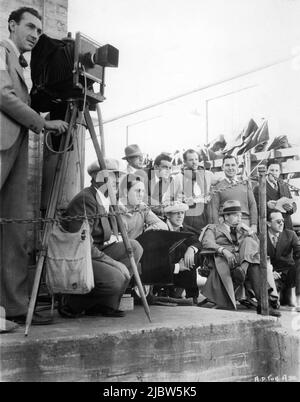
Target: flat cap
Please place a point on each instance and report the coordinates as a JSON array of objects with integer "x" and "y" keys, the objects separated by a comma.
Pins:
[
  {"x": 111, "y": 164},
  {"x": 176, "y": 206}
]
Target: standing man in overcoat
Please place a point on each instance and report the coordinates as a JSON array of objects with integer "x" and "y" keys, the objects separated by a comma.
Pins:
[{"x": 16, "y": 118}]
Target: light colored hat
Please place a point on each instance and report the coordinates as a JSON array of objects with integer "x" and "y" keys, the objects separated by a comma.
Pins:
[
  {"x": 231, "y": 207},
  {"x": 132, "y": 150},
  {"x": 282, "y": 201},
  {"x": 177, "y": 206},
  {"x": 111, "y": 164}
]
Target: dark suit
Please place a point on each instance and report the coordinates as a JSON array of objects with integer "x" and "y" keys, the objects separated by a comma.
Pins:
[
  {"x": 285, "y": 259},
  {"x": 274, "y": 195},
  {"x": 186, "y": 279},
  {"x": 110, "y": 283},
  {"x": 16, "y": 117}
]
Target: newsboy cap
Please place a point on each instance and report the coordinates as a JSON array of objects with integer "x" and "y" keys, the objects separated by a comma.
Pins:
[
  {"x": 176, "y": 206},
  {"x": 111, "y": 164},
  {"x": 231, "y": 207},
  {"x": 132, "y": 150}
]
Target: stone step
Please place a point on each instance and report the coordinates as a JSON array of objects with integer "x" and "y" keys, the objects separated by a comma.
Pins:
[{"x": 181, "y": 344}]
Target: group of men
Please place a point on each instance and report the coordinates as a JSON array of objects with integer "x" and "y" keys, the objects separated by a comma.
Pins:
[
  {"x": 225, "y": 214},
  {"x": 221, "y": 214}
]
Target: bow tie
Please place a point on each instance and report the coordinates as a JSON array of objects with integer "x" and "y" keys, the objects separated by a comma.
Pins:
[{"x": 22, "y": 61}]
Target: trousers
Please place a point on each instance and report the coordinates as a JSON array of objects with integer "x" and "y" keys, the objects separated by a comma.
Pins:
[
  {"x": 13, "y": 237},
  {"x": 110, "y": 283}
]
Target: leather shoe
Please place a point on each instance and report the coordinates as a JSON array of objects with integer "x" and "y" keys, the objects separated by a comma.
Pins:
[
  {"x": 37, "y": 319},
  {"x": 272, "y": 312},
  {"x": 99, "y": 310},
  {"x": 105, "y": 312},
  {"x": 66, "y": 312},
  {"x": 238, "y": 275},
  {"x": 114, "y": 313}
]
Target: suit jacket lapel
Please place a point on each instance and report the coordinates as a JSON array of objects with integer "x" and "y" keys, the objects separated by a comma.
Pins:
[
  {"x": 270, "y": 247},
  {"x": 223, "y": 228},
  {"x": 278, "y": 245},
  {"x": 105, "y": 223},
  {"x": 14, "y": 60}
]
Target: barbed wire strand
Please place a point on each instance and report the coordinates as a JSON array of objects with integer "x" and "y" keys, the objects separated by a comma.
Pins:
[{"x": 206, "y": 197}]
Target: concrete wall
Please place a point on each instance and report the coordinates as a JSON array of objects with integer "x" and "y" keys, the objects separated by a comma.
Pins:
[
  {"x": 228, "y": 352},
  {"x": 54, "y": 14}
]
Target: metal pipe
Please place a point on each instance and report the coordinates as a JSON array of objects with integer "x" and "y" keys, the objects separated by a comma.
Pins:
[
  {"x": 263, "y": 240},
  {"x": 219, "y": 82}
]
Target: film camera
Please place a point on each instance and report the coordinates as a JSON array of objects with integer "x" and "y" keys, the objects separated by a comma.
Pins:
[{"x": 68, "y": 69}]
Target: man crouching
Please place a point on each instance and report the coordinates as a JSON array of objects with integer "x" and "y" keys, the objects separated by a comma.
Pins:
[
  {"x": 236, "y": 257},
  {"x": 111, "y": 264}
]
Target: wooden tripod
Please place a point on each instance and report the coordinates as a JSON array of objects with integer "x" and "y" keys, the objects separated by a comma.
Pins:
[{"x": 71, "y": 117}]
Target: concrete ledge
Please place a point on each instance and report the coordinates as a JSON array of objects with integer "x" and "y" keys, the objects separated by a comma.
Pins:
[{"x": 182, "y": 344}]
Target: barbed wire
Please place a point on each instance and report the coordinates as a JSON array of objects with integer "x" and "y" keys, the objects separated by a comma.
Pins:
[{"x": 125, "y": 211}]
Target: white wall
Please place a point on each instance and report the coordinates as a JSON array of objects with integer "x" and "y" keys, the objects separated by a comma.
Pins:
[{"x": 272, "y": 94}]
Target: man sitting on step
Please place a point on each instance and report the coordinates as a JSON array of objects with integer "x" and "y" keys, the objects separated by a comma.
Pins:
[
  {"x": 185, "y": 273},
  {"x": 235, "y": 257},
  {"x": 283, "y": 248},
  {"x": 111, "y": 265}
]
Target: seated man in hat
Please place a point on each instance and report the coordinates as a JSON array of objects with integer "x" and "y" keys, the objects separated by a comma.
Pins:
[
  {"x": 111, "y": 265},
  {"x": 236, "y": 257},
  {"x": 186, "y": 254},
  {"x": 284, "y": 251}
]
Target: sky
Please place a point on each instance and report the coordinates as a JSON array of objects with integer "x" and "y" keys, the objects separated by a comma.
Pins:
[{"x": 169, "y": 47}]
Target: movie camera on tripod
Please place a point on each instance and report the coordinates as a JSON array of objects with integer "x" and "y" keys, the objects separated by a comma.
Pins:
[
  {"x": 63, "y": 73},
  {"x": 68, "y": 69}
]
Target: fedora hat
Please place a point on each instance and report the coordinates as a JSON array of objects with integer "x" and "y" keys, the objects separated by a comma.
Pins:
[
  {"x": 231, "y": 207},
  {"x": 177, "y": 206},
  {"x": 132, "y": 150},
  {"x": 112, "y": 165}
]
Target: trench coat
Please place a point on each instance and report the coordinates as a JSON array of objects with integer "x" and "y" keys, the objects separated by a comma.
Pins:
[{"x": 219, "y": 287}]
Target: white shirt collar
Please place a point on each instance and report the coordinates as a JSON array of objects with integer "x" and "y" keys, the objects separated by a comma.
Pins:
[
  {"x": 131, "y": 169},
  {"x": 234, "y": 180},
  {"x": 13, "y": 45},
  {"x": 104, "y": 201},
  {"x": 271, "y": 234},
  {"x": 274, "y": 185},
  {"x": 171, "y": 227},
  {"x": 227, "y": 226}
]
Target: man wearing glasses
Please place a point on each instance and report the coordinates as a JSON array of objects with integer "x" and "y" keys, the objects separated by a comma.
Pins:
[{"x": 284, "y": 251}]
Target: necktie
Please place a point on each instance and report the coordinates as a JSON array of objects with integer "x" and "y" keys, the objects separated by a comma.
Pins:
[
  {"x": 233, "y": 234},
  {"x": 22, "y": 61},
  {"x": 160, "y": 192},
  {"x": 274, "y": 241}
]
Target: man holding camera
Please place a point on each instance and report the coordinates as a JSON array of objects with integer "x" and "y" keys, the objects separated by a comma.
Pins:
[{"x": 17, "y": 117}]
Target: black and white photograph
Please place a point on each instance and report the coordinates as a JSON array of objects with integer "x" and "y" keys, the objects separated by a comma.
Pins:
[{"x": 149, "y": 194}]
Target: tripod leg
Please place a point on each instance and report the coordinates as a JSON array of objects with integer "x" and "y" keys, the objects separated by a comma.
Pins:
[
  {"x": 51, "y": 210},
  {"x": 101, "y": 129},
  {"x": 115, "y": 207}
]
